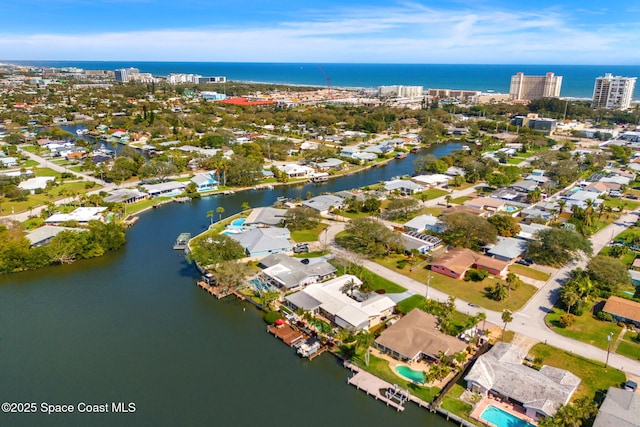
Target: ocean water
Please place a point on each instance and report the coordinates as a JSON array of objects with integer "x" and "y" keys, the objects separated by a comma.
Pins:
[{"x": 578, "y": 80}]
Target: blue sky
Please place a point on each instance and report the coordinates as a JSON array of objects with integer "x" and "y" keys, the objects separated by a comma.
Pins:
[{"x": 373, "y": 31}]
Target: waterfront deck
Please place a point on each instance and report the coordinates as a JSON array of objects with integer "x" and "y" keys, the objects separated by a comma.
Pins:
[
  {"x": 216, "y": 291},
  {"x": 287, "y": 334},
  {"x": 182, "y": 241},
  {"x": 380, "y": 389}
]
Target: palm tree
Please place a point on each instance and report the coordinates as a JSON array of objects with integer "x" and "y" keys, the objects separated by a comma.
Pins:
[
  {"x": 245, "y": 206},
  {"x": 447, "y": 199},
  {"x": 482, "y": 316},
  {"x": 507, "y": 317},
  {"x": 220, "y": 211},
  {"x": 513, "y": 281},
  {"x": 210, "y": 216},
  {"x": 561, "y": 205}
]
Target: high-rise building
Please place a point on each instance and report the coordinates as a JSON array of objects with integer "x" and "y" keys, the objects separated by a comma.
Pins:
[
  {"x": 613, "y": 92},
  {"x": 124, "y": 74},
  {"x": 401, "y": 91},
  {"x": 535, "y": 87}
]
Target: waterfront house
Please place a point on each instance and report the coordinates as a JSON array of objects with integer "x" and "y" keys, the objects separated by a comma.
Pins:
[
  {"x": 328, "y": 300},
  {"x": 259, "y": 242},
  {"x": 500, "y": 372},
  {"x": 329, "y": 164},
  {"x": 205, "y": 181},
  {"x": 265, "y": 217},
  {"x": 297, "y": 171},
  {"x": 415, "y": 337},
  {"x": 623, "y": 310},
  {"x": 82, "y": 215},
  {"x": 290, "y": 274},
  {"x": 324, "y": 202},
  {"x": 432, "y": 180},
  {"x": 170, "y": 188},
  {"x": 404, "y": 186},
  {"x": 43, "y": 235},
  {"x": 620, "y": 408},
  {"x": 125, "y": 195},
  {"x": 424, "y": 223}
]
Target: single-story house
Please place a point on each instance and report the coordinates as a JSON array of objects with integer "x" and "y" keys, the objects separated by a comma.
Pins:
[
  {"x": 264, "y": 241},
  {"x": 404, "y": 186},
  {"x": 415, "y": 337},
  {"x": 635, "y": 277},
  {"x": 8, "y": 162},
  {"x": 456, "y": 262},
  {"x": 43, "y": 235},
  {"x": 37, "y": 183},
  {"x": 535, "y": 213},
  {"x": 205, "y": 181},
  {"x": 525, "y": 186},
  {"x": 507, "y": 248},
  {"x": 623, "y": 310},
  {"x": 620, "y": 408},
  {"x": 329, "y": 300},
  {"x": 297, "y": 171},
  {"x": 125, "y": 195},
  {"x": 323, "y": 203},
  {"x": 290, "y": 274},
  {"x": 378, "y": 149},
  {"x": 485, "y": 203},
  {"x": 432, "y": 180},
  {"x": 81, "y": 215},
  {"x": 165, "y": 188},
  {"x": 500, "y": 372},
  {"x": 529, "y": 231},
  {"x": 329, "y": 164},
  {"x": 423, "y": 243},
  {"x": 459, "y": 208},
  {"x": 599, "y": 188},
  {"x": 422, "y": 223},
  {"x": 265, "y": 216}
]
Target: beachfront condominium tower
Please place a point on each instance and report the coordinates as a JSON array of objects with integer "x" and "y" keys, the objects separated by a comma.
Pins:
[
  {"x": 613, "y": 92},
  {"x": 124, "y": 74},
  {"x": 535, "y": 87}
]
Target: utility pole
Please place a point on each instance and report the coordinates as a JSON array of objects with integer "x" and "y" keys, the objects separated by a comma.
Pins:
[{"x": 609, "y": 336}]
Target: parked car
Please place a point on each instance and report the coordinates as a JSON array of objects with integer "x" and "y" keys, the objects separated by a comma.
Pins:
[
  {"x": 632, "y": 197},
  {"x": 524, "y": 262},
  {"x": 301, "y": 248},
  {"x": 631, "y": 385}
]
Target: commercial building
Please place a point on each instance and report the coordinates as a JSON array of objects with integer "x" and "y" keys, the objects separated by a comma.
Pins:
[
  {"x": 534, "y": 87},
  {"x": 400, "y": 91},
  {"x": 124, "y": 74},
  {"x": 613, "y": 92}
]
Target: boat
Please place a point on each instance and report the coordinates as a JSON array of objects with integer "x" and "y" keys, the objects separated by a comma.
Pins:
[
  {"x": 400, "y": 156},
  {"x": 414, "y": 150},
  {"x": 321, "y": 177},
  {"x": 182, "y": 241},
  {"x": 82, "y": 131}
]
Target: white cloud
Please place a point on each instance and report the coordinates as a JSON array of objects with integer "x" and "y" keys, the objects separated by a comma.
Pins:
[{"x": 405, "y": 33}]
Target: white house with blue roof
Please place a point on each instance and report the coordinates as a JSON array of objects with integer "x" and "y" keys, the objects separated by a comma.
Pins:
[{"x": 205, "y": 181}]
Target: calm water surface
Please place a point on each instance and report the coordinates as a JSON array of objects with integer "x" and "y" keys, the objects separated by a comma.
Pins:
[{"x": 133, "y": 327}]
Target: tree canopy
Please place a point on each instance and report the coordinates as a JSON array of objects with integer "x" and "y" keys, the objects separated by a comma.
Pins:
[
  {"x": 370, "y": 237},
  {"x": 468, "y": 231},
  {"x": 556, "y": 246}
]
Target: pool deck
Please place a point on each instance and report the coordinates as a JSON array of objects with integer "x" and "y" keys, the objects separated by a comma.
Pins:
[{"x": 514, "y": 410}]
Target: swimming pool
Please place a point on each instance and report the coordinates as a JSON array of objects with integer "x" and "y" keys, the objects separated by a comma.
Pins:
[
  {"x": 260, "y": 285},
  {"x": 500, "y": 418},
  {"x": 238, "y": 222},
  {"x": 510, "y": 209},
  {"x": 407, "y": 372}
]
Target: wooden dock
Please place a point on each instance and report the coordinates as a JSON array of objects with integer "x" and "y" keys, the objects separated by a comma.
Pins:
[
  {"x": 216, "y": 291},
  {"x": 318, "y": 353},
  {"x": 182, "y": 241},
  {"x": 287, "y": 334},
  {"x": 377, "y": 388}
]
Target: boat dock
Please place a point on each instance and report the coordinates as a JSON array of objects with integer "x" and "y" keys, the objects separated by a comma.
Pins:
[
  {"x": 287, "y": 334},
  {"x": 182, "y": 241},
  {"x": 390, "y": 394}
]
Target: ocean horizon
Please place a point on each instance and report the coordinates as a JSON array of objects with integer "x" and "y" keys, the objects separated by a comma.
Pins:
[{"x": 577, "y": 80}]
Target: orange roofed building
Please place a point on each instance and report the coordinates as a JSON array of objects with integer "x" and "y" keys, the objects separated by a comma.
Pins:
[
  {"x": 456, "y": 262},
  {"x": 246, "y": 102}
]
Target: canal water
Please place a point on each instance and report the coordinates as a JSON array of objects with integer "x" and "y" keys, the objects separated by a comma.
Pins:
[{"x": 132, "y": 327}]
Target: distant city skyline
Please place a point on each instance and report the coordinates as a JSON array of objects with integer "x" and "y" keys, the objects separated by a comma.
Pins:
[{"x": 371, "y": 31}]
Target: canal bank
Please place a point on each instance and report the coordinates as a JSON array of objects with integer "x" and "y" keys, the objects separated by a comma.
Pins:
[{"x": 131, "y": 327}]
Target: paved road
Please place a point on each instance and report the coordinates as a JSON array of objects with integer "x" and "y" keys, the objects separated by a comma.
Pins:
[{"x": 530, "y": 320}]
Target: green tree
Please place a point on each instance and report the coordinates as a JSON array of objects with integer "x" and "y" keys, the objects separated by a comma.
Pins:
[
  {"x": 301, "y": 218},
  {"x": 157, "y": 169},
  {"x": 610, "y": 274},
  {"x": 209, "y": 249},
  {"x": 468, "y": 230},
  {"x": 556, "y": 246},
  {"x": 505, "y": 225},
  {"x": 220, "y": 211},
  {"x": 401, "y": 207},
  {"x": 368, "y": 236},
  {"x": 507, "y": 317},
  {"x": 210, "y": 216}
]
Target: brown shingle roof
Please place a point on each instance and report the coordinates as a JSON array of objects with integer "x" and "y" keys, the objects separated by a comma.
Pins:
[
  {"x": 622, "y": 308},
  {"x": 457, "y": 260},
  {"x": 417, "y": 332}
]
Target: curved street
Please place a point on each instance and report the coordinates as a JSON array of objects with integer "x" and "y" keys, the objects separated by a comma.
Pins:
[{"x": 529, "y": 320}]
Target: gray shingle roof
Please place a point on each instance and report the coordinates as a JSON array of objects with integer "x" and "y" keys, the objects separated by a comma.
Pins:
[{"x": 621, "y": 408}]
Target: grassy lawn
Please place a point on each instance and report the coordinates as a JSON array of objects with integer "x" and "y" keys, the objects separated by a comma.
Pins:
[
  {"x": 311, "y": 254},
  {"x": 628, "y": 347},
  {"x": 29, "y": 164},
  {"x": 431, "y": 211},
  {"x": 586, "y": 328},
  {"x": 414, "y": 301},
  {"x": 380, "y": 368},
  {"x": 514, "y": 160},
  {"x": 308, "y": 235},
  {"x": 627, "y": 258},
  {"x": 474, "y": 292},
  {"x": 595, "y": 378},
  {"x": 529, "y": 272},
  {"x": 460, "y": 200},
  {"x": 46, "y": 172},
  {"x": 352, "y": 215},
  {"x": 376, "y": 282},
  {"x": 452, "y": 403},
  {"x": 621, "y": 203},
  {"x": 144, "y": 204},
  {"x": 431, "y": 193}
]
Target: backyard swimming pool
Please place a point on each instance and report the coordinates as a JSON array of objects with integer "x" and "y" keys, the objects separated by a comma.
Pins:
[
  {"x": 238, "y": 222},
  {"x": 407, "y": 372},
  {"x": 500, "y": 418},
  {"x": 510, "y": 209}
]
